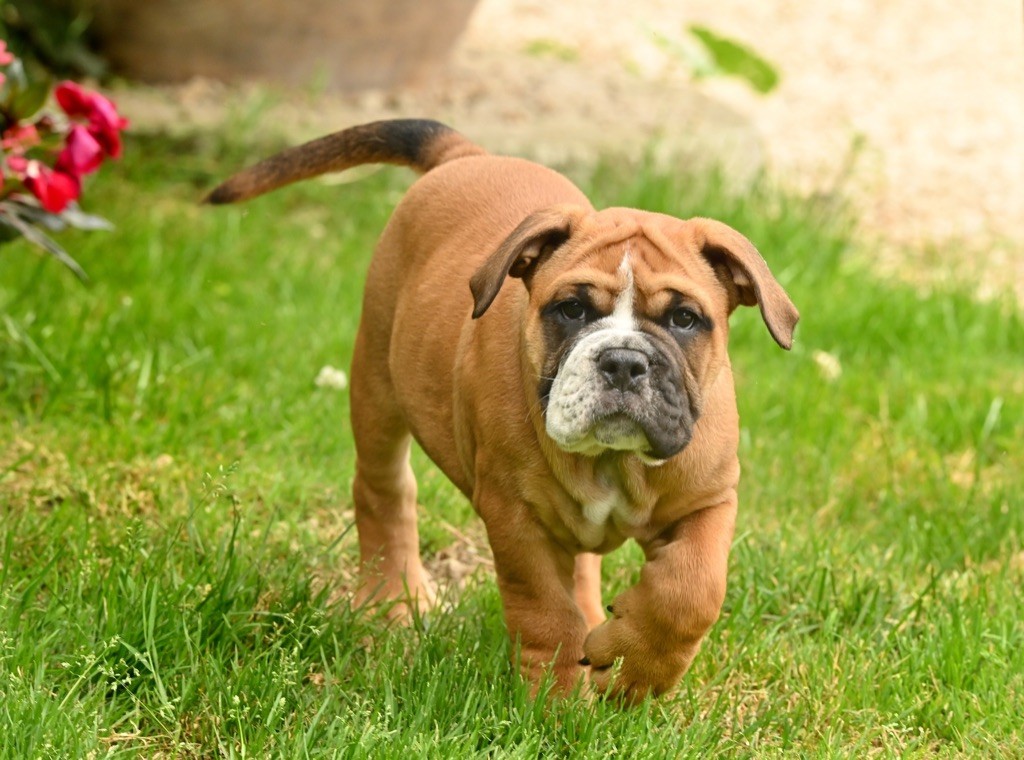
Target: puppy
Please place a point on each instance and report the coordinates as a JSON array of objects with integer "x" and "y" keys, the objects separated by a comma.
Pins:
[{"x": 566, "y": 368}]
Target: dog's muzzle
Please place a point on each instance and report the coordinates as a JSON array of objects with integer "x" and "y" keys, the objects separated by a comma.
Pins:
[{"x": 616, "y": 391}]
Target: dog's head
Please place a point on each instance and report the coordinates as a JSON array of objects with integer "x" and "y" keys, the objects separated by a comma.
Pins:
[{"x": 628, "y": 325}]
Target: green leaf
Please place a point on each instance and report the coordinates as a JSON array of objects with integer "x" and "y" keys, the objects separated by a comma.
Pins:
[
  {"x": 25, "y": 92},
  {"x": 55, "y": 34},
  {"x": 75, "y": 217},
  {"x": 71, "y": 216},
  {"x": 11, "y": 217},
  {"x": 736, "y": 59},
  {"x": 694, "y": 56}
]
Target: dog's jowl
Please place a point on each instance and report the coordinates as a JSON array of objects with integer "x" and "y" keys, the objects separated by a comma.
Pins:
[{"x": 566, "y": 368}]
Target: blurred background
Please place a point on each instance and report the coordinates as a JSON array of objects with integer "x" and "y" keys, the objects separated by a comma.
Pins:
[{"x": 914, "y": 109}]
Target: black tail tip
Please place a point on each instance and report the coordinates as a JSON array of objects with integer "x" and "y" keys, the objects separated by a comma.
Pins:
[{"x": 219, "y": 196}]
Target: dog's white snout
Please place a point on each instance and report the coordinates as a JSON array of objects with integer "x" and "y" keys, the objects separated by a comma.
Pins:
[{"x": 607, "y": 373}]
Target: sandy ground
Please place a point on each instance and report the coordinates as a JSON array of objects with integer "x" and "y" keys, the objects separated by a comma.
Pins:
[
  {"x": 931, "y": 93},
  {"x": 934, "y": 93}
]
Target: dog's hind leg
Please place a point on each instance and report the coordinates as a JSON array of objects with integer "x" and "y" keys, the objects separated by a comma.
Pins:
[
  {"x": 384, "y": 492},
  {"x": 587, "y": 582}
]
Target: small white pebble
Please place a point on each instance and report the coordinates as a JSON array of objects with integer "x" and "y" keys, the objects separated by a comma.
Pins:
[
  {"x": 828, "y": 365},
  {"x": 333, "y": 378}
]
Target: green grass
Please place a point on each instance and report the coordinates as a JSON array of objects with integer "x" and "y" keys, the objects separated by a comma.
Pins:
[{"x": 176, "y": 549}]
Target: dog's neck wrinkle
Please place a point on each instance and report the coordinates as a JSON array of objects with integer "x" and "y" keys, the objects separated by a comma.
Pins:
[
  {"x": 610, "y": 490},
  {"x": 625, "y": 471}
]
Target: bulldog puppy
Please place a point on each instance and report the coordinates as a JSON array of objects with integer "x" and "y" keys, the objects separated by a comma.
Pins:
[{"x": 566, "y": 368}]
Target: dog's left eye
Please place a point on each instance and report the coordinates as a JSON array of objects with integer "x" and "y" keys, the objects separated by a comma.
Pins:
[{"x": 684, "y": 319}]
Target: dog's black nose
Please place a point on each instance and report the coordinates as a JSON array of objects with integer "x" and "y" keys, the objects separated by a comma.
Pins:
[{"x": 623, "y": 368}]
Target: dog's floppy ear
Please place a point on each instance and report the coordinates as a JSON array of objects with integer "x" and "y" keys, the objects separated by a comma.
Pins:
[
  {"x": 518, "y": 255},
  {"x": 747, "y": 277}
]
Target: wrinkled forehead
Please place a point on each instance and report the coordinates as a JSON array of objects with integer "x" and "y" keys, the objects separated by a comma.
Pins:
[{"x": 629, "y": 254}]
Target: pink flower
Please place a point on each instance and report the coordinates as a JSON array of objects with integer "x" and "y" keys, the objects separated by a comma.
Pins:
[
  {"x": 74, "y": 99},
  {"x": 54, "y": 189},
  {"x": 20, "y": 138},
  {"x": 5, "y": 58},
  {"x": 81, "y": 155},
  {"x": 105, "y": 123}
]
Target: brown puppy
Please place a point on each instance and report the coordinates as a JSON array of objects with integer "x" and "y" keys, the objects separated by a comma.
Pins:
[{"x": 566, "y": 368}]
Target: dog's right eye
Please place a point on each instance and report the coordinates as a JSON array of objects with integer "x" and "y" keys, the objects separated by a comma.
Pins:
[{"x": 572, "y": 310}]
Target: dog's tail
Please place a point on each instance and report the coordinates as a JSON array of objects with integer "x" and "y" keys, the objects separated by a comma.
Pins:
[{"x": 420, "y": 144}]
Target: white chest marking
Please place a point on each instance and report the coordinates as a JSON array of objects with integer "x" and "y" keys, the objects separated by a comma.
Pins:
[
  {"x": 597, "y": 512},
  {"x": 611, "y": 505}
]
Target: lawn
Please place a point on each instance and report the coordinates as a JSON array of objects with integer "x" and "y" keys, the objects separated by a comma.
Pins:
[{"x": 176, "y": 537}]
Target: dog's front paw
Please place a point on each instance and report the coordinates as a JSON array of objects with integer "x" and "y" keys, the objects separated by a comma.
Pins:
[{"x": 627, "y": 663}]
